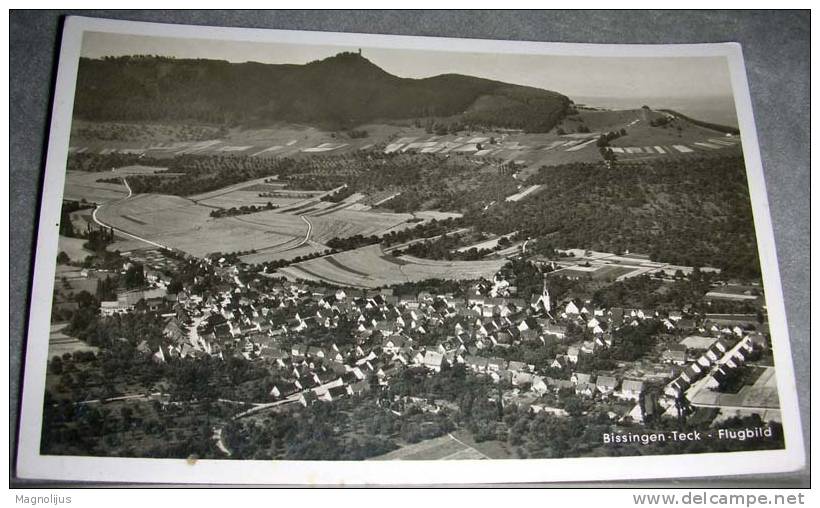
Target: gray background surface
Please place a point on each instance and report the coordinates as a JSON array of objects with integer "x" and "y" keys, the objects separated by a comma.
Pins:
[{"x": 776, "y": 46}]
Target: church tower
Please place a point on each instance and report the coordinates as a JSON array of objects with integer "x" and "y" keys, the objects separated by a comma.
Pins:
[{"x": 545, "y": 298}]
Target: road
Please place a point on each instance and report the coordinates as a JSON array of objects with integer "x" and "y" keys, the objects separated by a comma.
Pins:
[
  {"x": 120, "y": 231},
  {"x": 310, "y": 229}
]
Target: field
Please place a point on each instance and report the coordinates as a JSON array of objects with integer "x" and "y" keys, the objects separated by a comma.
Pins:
[
  {"x": 182, "y": 224},
  {"x": 440, "y": 448},
  {"x": 346, "y": 269},
  {"x": 60, "y": 343},
  {"x": 761, "y": 394},
  {"x": 186, "y": 225},
  {"x": 248, "y": 193},
  {"x": 344, "y": 223},
  {"x": 458, "y": 445},
  {"x": 69, "y": 281},
  {"x": 81, "y": 185},
  {"x": 73, "y": 247}
]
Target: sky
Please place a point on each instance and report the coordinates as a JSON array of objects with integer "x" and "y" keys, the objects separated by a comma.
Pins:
[{"x": 585, "y": 77}]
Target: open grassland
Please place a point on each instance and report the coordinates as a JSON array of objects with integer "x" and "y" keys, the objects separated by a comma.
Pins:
[
  {"x": 454, "y": 446},
  {"x": 370, "y": 267},
  {"x": 345, "y": 223},
  {"x": 182, "y": 224},
  {"x": 186, "y": 225},
  {"x": 440, "y": 448},
  {"x": 239, "y": 198},
  {"x": 73, "y": 247},
  {"x": 229, "y": 189},
  {"x": 80, "y": 185}
]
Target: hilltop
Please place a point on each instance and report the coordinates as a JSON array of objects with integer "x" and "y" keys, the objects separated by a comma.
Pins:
[{"x": 342, "y": 91}]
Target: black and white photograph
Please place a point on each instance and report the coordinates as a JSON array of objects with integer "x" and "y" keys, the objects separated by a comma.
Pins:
[{"x": 354, "y": 256}]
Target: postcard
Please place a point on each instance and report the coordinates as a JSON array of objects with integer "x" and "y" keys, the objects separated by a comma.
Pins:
[{"x": 283, "y": 257}]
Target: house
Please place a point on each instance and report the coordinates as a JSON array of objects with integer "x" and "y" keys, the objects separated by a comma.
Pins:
[
  {"x": 631, "y": 389},
  {"x": 359, "y": 388},
  {"x": 334, "y": 393},
  {"x": 299, "y": 350},
  {"x": 315, "y": 352},
  {"x": 586, "y": 389},
  {"x": 554, "y": 330},
  {"x": 476, "y": 363},
  {"x": 393, "y": 343},
  {"x": 285, "y": 389},
  {"x": 433, "y": 360},
  {"x": 690, "y": 373},
  {"x": 578, "y": 378},
  {"x": 572, "y": 354},
  {"x": 539, "y": 385},
  {"x": 606, "y": 384},
  {"x": 714, "y": 381},
  {"x": 675, "y": 353},
  {"x": 496, "y": 364},
  {"x": 517, "y": 366},
  {"x": 560, "y": 362}
]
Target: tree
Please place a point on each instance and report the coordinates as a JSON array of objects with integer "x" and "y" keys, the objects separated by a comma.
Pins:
[
  {"x": 134, "y": 276},
  {"x": 62, "y": 258}
]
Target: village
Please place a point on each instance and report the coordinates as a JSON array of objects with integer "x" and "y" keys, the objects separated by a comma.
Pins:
[{"x": 323, "y": 343}]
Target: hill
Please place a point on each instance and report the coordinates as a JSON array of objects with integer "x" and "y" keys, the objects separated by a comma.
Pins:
[
  {"x": 342, "y": 91},
  {"x": 694, "y": 212}
]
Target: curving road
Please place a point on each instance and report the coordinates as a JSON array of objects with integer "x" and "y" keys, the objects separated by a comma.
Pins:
[{"x": 307, "y": 235}]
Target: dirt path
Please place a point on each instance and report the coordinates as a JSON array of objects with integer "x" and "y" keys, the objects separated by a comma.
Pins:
[
  {"x": 219, "y": 442},
  {"x": 462, "y": 443}
]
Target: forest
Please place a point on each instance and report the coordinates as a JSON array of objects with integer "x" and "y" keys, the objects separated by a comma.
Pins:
[{"x": 693, "y": 212}]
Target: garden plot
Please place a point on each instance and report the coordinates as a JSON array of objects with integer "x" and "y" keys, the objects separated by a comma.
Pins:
[
  {"x": 420, "y": 145},
  {"x": 469, "y": 147},
  {"x": 267, "y": 150},
  {"x": 393, "y": 147},
  {"x": 554, "y": 144},
  {"x": 447, "y": 146},
  {"x": 324, "y": 147},
  {"x": 234, "y": 148},
  {"x": 198, "y": 147},
  {"x": 59, "y": 343}
]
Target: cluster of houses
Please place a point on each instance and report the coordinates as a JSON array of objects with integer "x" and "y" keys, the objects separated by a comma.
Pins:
[
  {"x": 713, "y": 360},
  {"x": 377, "y": 333}
]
